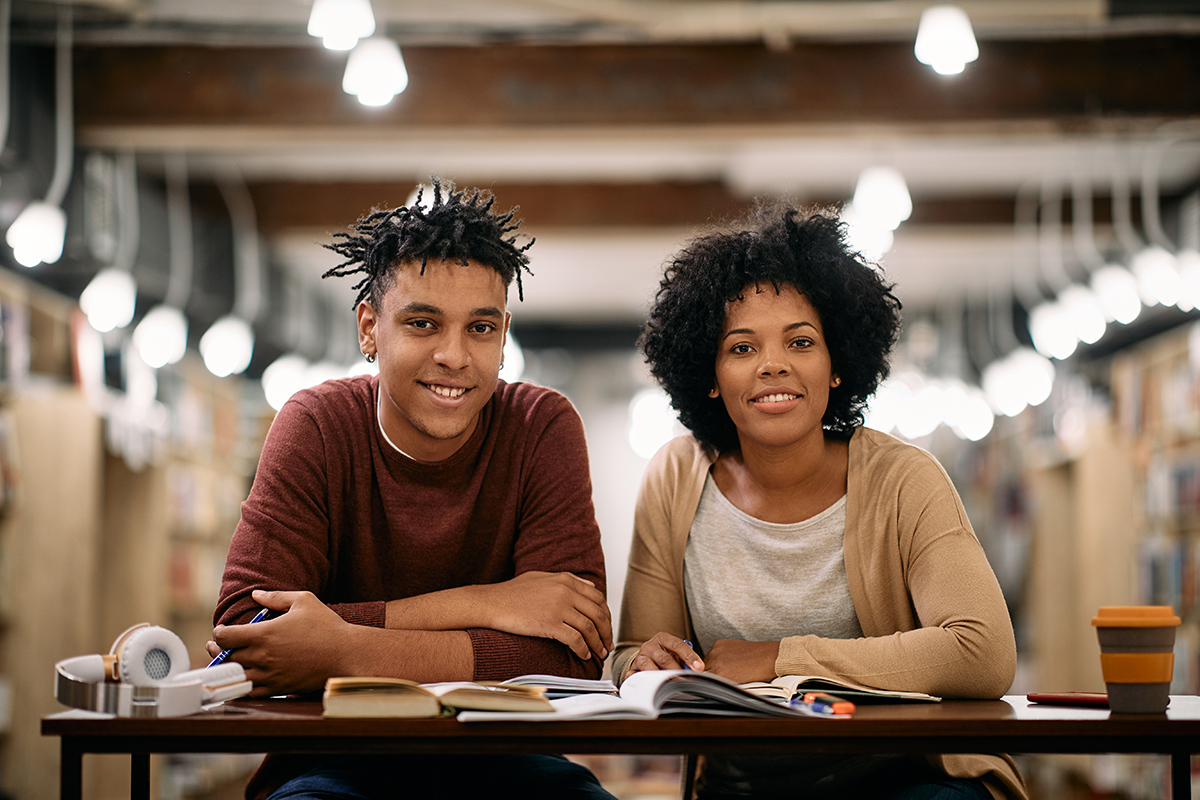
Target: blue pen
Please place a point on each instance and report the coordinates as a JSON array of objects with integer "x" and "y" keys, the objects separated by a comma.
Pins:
[
  {"x": 266, "y": 613},
  {"x": 689, "y": 644}
]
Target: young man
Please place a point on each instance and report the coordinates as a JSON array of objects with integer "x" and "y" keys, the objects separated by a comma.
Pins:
[{"x": 431, "y": 523}]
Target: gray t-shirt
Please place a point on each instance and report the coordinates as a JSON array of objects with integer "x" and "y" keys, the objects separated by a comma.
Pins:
[{"x": 759, "y": 581}]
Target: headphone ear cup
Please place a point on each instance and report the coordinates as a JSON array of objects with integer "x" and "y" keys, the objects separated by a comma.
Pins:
[{"x": 151, "y": 656}]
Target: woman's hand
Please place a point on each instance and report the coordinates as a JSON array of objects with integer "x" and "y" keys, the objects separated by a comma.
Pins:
[
  {"x": 742, "y": 662},
  {"x": 665, "y": 651}
]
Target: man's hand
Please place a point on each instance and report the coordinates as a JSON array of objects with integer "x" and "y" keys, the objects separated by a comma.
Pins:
[
  {"x": 294, "y": 652},
  {"x": 664, "y": 651},
  {"x": 553, "y": 605},
  {"x": 742, "y": 662}
]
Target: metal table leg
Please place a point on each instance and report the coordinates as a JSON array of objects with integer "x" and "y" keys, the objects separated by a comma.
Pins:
[
  {"x": 139, "y": 776},
  {"x": 1181, "y": 776},
  {"x": 70, "y": 770}
]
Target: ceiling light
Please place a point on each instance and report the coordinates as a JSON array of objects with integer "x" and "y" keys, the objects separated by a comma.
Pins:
[
  {"x": 922, "y": 414},
  {"x": 652, "y": 422},
  {"x": 37, "y": 234},
  {"x": 1083, "y": 313},
  {"x": 375, "y": 72},
  {"x": 975, "y": 417},
  {"x": 109, "y": 300},
  {"x": 881, "y": 198},
  {"x": 945, "y": 40},
  {"x": 227, "y": 346},
  {"x": 513, "y": 364},
  {"x": 1117, "y": 289},
  {"x": 886, "y": 405},
  {"x": 1003, "y": 393},
  {"x": 283, "y": 378},
  {"x": 1022, "y": 378},
  {"x": 1158, "y": 281},
  {"x": 1050, "y": 329},
  {"x": 341, "y": 23},
  {"x": 1189, "y": 274},
  {"x": 161, "y": 336},
  {"x": 1033, "y": 373},
  {"x": 871, "y": 241}
]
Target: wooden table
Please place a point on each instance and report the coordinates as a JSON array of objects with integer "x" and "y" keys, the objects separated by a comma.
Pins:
[{"x": 1011, "y": 725}]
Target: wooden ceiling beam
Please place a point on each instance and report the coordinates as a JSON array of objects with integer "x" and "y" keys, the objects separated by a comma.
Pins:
[
  {"x": 327, "y": 207},
  {"x": 1077, "y": 84}
]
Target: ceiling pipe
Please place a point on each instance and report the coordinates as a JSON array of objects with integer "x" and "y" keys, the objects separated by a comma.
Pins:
[{"x": 5, "y": 39}]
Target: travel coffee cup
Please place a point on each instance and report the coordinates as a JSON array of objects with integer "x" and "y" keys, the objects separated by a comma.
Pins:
[{"x": 1136, "y": 656}]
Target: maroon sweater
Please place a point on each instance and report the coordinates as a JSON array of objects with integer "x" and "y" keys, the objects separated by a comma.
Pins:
[{"x": 337, "y": 511}]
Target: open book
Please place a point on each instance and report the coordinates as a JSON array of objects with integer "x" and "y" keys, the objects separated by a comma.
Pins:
[
  {"x": 787, "y": 687},
  {"x": 557, "y": 686},
  {"x": 647, "y": 695},
  {"x": 396, "y": 697}
]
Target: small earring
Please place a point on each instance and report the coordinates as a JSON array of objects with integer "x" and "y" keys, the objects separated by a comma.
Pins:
[
  {"x": 713, "y": 393},
  {"x": 836, "y": 381},
  {"x": 370, "y": 357}
]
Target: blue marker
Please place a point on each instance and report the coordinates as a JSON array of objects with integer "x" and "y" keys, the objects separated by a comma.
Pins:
[{"x": 266, "y": 613}]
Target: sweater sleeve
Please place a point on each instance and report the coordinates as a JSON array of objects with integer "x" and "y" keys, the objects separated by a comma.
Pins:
[
  {"x": 557, "y": 532},
  {"x": 653, "y": 598},
  {"x": 949, "y": 634},
  {"x": 282, "y": 540}
]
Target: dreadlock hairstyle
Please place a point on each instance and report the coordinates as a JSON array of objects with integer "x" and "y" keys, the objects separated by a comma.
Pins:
[
  {"x": 780, "y": 246},
  {"x": 453, "y": 226}
]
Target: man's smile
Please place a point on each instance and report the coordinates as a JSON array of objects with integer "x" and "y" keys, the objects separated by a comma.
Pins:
[{"x": 450, "y": 392}]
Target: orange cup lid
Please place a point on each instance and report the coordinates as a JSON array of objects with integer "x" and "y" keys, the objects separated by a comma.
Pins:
[{"x": 1135, "y": 617}]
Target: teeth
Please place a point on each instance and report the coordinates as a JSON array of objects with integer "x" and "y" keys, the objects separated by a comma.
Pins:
[
  {"x": 775, "y": 398},
  {"x": 446, "y": 391}
]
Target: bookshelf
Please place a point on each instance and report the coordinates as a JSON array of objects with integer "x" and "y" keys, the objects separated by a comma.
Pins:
[
  {"x": 104, "y": 524},
  {"x": 1156, "y": 389},
  {"x": 1116, "y": 521},
  {"x": 50, "y": 509}
]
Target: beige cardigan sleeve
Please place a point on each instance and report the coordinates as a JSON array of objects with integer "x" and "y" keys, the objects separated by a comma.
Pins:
[
  {"x": 930, "y": 607},
  {"x": 653, "y": 598}
]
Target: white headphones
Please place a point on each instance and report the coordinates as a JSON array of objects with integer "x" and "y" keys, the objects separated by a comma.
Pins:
[{"x": 145, "y": 674}]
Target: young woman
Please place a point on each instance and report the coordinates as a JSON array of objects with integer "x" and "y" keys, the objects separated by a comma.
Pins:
[{"x": 782, "y": 537}]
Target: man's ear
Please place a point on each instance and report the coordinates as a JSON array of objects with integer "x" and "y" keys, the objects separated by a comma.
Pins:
[{"x": 366, "y": 328}]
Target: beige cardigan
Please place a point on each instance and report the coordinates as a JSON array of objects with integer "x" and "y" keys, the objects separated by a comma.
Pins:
[{"x": 931, "y": 611}]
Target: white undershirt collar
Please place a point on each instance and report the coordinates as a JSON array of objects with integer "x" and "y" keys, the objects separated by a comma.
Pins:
[{"x": 379, "y": 417}]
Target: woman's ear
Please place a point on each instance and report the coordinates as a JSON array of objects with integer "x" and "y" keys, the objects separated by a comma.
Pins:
[
  {"x": 836, "y": 381},
  {"x": 714, "y": 393}
]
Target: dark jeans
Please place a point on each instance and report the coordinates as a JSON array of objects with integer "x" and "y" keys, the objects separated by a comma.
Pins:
[
  {"x": 376, "y": 777},
  {"x": 948, "y": 789},
  {"x": 945, "y": 789}
]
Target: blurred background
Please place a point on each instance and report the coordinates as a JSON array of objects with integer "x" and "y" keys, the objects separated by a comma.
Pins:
[{"x": 1026, "y": 171}]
